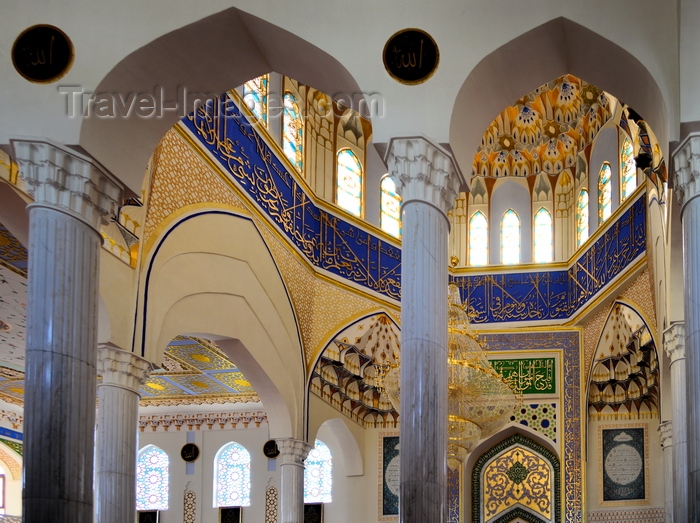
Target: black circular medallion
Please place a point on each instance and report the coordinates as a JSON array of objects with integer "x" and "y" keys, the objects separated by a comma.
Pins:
[
  {"x": 411, "y": 56},
  {"x": 189, "y": 452},
  {"x": 42, "y": 54},
  {"x": 270, "y": 449}
]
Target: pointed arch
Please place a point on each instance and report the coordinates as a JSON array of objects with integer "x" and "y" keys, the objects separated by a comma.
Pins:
[
  {"x": 510, "y": 237},
  {"x": 478, "y": 239},
  {"x": 232, "y": 476},
  {"x": 604, "y": 192},
  {"x": 152, "y": 479},
  {"x": 628, "y": 169},
  {"x": 390, "y": 207},
  {"x": 293, "y": 132},
  {"x": 543, "y": 237},
  {"x": 349, "y": 182}
]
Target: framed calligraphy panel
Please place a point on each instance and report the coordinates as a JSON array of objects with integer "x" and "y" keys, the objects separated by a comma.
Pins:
[
  {"x": 528, "y": 375},
  {"x": 623, "y": 462},
  {"x": 388, "y": 466},
  {"x": 42, "y": 54}
]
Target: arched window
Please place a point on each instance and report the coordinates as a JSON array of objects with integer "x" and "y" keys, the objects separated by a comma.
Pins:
[
  {"x": 152, "y": 479},
  {"x": 543, "y": 236},
  {"x": 510, "y": 238},
  {"x": 604, "y": 192},
  {"x": 255, "y": 96},
  {"x": 318, "y": 475},
  {"x": 582, "y": 218},
  {"x": 390, "y": 218},
  {"x": 349, "y": 192},
  {"x": 232, "y": 476},
  {"x": 628, "y": 169},
  {"x": 478, "y": 239},
  {"x": 292, "y": 132}
]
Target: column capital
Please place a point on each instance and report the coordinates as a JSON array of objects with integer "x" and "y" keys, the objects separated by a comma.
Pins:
[
  {"x": 666, "y": 433},
  {"x": 60, "y": 177},
  {"x": 674, "y": 342},
  {"x": 686, "y": 163},
  {"x": 424, "y": 171},
  {"x": 293, "y": 451},
  {"x": 121, "y": 368}
]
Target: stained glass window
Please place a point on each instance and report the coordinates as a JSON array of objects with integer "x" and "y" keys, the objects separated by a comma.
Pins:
[
  {"x": 152, "y": 479},
  {"x": 232, "y": 476},
  {"x": 604, "y": 193},
  {"x": 293, "y": 132},
  {"x": 318, "y": 475},
  {"x": 478, "y": 239},
  {"x": 628, "y": 169},
  {"x": 510, "y": 238},
  {"x": 255, "y": 96},
  {"x": 543, "y": 236},
  {"x": 349, "y": 193},
  {"x": 390, "y": 219},
  {"x": 582, "y": 218}
]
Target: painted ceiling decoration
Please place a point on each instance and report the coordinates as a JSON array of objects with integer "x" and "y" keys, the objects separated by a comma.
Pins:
[
  {"x": 348, "y": 373},
  {"x": 196, "y": 371},
  {"x": 544, "y": 130},
  {"x": 13, "y": 307},
  {"x": 625, "y": 377}
]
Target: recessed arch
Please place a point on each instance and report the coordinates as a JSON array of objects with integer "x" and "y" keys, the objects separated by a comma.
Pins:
[
  {"x": 180, "y": 60},
  {"x": 205, "y": 266},
  {"x": 561, "y": 47}
]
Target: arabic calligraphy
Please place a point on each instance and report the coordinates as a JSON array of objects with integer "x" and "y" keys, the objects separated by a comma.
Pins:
[
  {"x": 327, "y": 241},
  {"x": 528, "y": 376},
  {"x": 411, "y": 56},
  {"x": 557, "y": 294},
  {"x": 42, "y": 53}
]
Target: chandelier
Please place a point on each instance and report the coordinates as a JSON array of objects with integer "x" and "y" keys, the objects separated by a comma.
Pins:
[{"x": 479, "y": 401}]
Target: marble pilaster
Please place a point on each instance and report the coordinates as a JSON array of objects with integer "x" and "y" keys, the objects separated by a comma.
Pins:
[
  {"x": 293, "y": 452},
  {"x": 674, "y": 345},
  {"x": 686, "y": 159},
  {"x": 665, "y": 430},
  {"x": 72, "y": 194},
  {"x": 428, "y": 181},
  {"x": 117, "y": 425}
]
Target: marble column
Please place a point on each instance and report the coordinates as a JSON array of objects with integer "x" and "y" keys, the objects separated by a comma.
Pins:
[
  {"x": 665, "y": 430},
  {"x": 293, "y": 452},
  {"x": 674, "y": 345},
  {"x": 71, "y": 196},
  {"x": 117, "y": 425},
  {"x": 428, "y": 180},
  {"x": 686, "y": 159}
]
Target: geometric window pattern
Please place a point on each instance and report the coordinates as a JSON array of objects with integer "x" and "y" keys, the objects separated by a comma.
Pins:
[
  {"x": 604, "y": 192},
  {"x": 255, "y": 96},
  {"x": 232, "y": 476},
  {"x": 582, "y": 218},
  {"x": 152, "y": 479},
  {"x": 543, "y": 236},
  {"x": 540, "y": 417},
  {"x": 318, "y": 475},
  {"x": 510, "y": 238},
  {"x": 478, "y": 240},
  {"x": 390, "y": 219},
  {"x": 628, "y": 170},
  {"x": 292, "y": 132},
  {"x": 349, "y": 195},
  {"x": 518, "y": 476}
]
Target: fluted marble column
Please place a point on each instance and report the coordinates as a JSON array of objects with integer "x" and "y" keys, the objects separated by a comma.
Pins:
[
  {"x": 428, "y": 181},
  {"x": 293, "y": 452},
  {"x": 687, "y": 171},
  {"x": 674, "y": 345},
  {"x": 117, "y": 425},
  {"x": 71, "y": 195},
  {"x": 665, "y": 430}
]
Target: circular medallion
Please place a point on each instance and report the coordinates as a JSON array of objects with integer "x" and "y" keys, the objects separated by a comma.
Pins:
[
  {"x": 42, "y": 54},
  {"x": 411, "y": 56},
  {"x": 270, "y": 449},
  {"x": 189, "y": 452}
]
